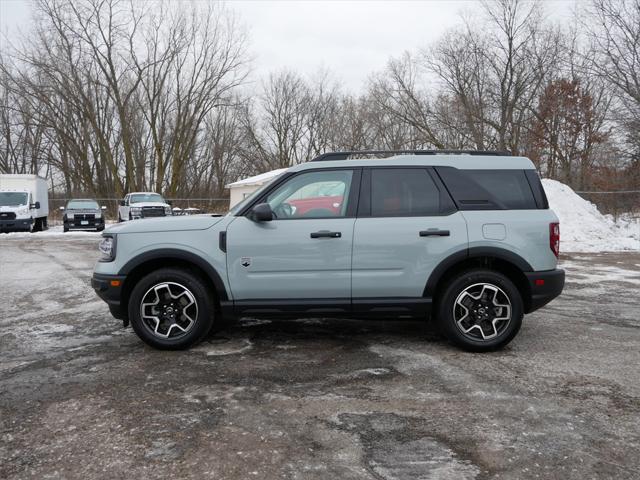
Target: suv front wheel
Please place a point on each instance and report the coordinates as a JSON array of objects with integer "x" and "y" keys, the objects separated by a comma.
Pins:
[
  {"x": 171, "y": 309},
  {"x": 480, "y": 310}
]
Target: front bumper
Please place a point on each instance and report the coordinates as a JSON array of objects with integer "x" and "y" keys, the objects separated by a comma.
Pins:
[
  {"x": 544, "y": 287},
  {"x": 109, "y": 289},
  {"x": 149, "y": 212},
  {"x": 73, "y": 224},
  {"x": 15, "y": 225}
]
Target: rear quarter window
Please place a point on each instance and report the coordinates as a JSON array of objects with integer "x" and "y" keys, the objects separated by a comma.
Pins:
[
  {"x": 489, "y": 189},
  {"x": 511, "y": 187}
]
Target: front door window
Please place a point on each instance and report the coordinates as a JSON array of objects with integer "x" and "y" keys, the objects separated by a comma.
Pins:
[{"x": 320, "y": 194}]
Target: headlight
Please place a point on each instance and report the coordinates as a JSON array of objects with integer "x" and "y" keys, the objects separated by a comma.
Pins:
[
  {"x": 167, "y": 211},
  {"x": 69, "y": 216},
  {"x": 98, "y": 214},
  {"x": 107, "y": 249},
  {"x": 136, "y": 210}
]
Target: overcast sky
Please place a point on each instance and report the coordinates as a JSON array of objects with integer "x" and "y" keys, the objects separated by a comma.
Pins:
[{"x": 349, "y": 38}]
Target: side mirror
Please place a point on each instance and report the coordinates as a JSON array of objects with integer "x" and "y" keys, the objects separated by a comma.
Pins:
[
  {"x": 35, "y": 205},
  {"x": 122, "y": 203},
  {"x": 62, "y": 209},
  {"x": 103, "y": 207},
  {"x": 262, "y": 213}
]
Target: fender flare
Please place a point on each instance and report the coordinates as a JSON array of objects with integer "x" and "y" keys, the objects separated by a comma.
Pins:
[
  {"x": 469, "y": 253},
  {"x": 177, "y": 254}
]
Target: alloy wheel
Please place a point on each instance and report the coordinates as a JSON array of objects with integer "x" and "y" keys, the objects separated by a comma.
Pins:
[
  {"x": 482, "y": 311},
  {"x": 168, "y": 310}
]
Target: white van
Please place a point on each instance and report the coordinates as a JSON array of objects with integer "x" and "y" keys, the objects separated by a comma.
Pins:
[{"x": 24, "y": 203}]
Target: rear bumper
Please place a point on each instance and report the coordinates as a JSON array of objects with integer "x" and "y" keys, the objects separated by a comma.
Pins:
[
  {"x": 544, "y": 287},
  {"x": 109, "y": 289},
  {"x": 14, "y": 225}
]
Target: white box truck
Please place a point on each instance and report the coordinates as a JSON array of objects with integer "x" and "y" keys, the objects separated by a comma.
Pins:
[{"x": 24, "y": 203}]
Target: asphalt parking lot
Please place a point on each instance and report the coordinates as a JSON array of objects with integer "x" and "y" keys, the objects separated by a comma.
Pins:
[{"x": 83, "y": 398}]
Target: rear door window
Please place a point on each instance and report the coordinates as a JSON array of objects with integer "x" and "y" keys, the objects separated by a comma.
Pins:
[{"x": 403, "y": 192}]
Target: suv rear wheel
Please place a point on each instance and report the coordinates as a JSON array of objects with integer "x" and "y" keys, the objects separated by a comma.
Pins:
[
  {"x": 171, "y": 309},
  {"x": 480, "y": 310}
]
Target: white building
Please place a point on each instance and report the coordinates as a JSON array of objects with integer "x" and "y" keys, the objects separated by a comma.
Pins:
[{"x": 243, "y": 188}]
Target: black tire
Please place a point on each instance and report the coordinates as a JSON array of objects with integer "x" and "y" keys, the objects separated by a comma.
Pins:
[
  {"x": 37, "y": 225},
  {"x": 100, "y": 228},
  {"x": 119, "y": 219},
  {"x": 65, "y": 228},
  {"x": 203, "y": 316},
  {"x": 473, "y": 280}
]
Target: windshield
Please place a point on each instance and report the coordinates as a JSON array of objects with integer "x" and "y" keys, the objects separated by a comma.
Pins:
[
  {"x": 13, "y": 198},
  {"x": 82, "y": 204},
  {"x": 146, "y": 197}
]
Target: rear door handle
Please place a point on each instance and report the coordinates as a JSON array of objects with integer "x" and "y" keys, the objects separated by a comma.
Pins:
[
  {"x": 326, "y": 234},
  {"x": 434, "y": 232}
]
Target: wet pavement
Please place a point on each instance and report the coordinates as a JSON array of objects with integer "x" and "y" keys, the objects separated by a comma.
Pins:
[{"x": 83, "y": 398}]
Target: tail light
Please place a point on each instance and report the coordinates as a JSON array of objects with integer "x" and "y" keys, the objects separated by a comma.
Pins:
[{"x": 554, "y": 238}]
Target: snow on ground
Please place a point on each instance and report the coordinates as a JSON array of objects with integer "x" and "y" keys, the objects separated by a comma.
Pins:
[
  {"x": 583, "y": 228},
  {"x": 57, "y": 231}
]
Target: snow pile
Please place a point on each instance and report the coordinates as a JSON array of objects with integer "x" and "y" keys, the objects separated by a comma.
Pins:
[{"x": 583, "y": 228}]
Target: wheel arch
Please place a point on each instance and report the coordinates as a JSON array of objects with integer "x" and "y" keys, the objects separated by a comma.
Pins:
[
  {"x": 504, "y": 261},
  {"x": 147, "y": 262}
]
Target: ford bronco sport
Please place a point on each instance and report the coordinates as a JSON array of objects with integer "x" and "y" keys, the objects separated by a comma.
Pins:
[{"x": 464, "y": 237}]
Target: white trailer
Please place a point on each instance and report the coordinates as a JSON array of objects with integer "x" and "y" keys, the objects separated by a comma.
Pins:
[{"x": 24, "y": 203}]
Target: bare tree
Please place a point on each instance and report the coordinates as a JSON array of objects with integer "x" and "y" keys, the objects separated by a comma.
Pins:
[
  {"x": 280, "y": 132},
  {"x": 570, "y": 124},
  {"x": 223, "y": 157},
  {"x": 206, "y": 74},
  {"x": 613, "y": 30},
  {"x": 397, "y": 92},
  {"x": 120, "y": 92}
]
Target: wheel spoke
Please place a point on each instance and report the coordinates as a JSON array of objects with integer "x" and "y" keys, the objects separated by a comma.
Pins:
[
  {"x": 487, "y": 291},
  {"x": 466, "y": 300}
]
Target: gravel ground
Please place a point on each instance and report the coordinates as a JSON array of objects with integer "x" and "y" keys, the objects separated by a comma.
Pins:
[{"x": 83, "y": 398}]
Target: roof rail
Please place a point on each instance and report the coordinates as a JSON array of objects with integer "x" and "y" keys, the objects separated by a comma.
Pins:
[{"x": 345, "y": 155}]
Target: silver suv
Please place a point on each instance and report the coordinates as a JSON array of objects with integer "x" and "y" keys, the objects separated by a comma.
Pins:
[{"x": 464, "y": 237}]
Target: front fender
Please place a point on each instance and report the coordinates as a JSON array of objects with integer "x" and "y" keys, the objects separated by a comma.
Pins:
[{"x": 165, "y": 252}]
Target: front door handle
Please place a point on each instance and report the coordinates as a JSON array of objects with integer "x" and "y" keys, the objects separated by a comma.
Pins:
[
  {"x": 434, "y": 232},
  {"x": 326, "y": 234}
]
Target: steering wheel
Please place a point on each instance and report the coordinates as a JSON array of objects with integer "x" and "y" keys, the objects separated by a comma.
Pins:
[{"x": 284, "y": 210}]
